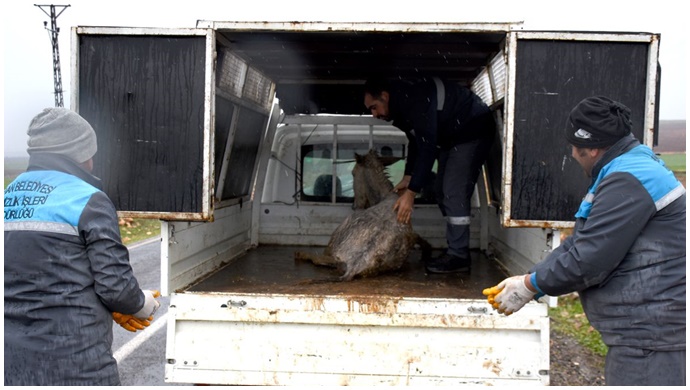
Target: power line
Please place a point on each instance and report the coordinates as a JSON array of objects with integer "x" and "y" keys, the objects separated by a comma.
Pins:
[{"x": 53, "y": 32}]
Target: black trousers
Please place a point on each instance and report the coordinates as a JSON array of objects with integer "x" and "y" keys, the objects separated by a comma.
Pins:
[
  {"x": 458, "y": 170},
  {"x": 626, "y": 366}
]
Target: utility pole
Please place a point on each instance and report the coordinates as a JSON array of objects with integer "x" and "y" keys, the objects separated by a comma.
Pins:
[{"x": 53, "y": 31}]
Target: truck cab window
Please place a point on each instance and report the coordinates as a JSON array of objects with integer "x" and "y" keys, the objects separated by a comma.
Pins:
[{"x": 323, "y": 170}]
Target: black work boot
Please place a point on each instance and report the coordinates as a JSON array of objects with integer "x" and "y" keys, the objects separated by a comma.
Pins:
[{"x": 448, "y": 264}]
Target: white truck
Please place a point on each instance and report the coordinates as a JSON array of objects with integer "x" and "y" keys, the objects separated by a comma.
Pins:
[{"x": 235, "y": 135}]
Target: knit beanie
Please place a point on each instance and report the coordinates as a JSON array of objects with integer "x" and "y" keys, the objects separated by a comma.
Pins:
[
  {"x": 61, "y": 131},
  {"x": 597, "y": 122}
]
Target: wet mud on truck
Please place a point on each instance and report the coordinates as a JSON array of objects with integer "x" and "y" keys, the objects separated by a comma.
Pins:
[{"x": 240, "y": 137}]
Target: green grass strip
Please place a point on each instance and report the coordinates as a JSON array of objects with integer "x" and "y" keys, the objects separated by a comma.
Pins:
[{"x": 569, "y": 318}]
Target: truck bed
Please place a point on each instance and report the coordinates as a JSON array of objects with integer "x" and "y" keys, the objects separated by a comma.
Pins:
[{"x": 272, "y": 269}]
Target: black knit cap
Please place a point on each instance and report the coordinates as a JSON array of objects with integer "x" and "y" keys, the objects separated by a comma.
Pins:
[{"x": 597, "y": 122}]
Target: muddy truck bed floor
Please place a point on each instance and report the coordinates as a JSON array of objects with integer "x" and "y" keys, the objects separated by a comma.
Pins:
[{"x": 273, "y": 269}]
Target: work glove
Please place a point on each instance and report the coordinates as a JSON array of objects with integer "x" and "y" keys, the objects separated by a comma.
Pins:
[
  {"x": 491, "y": 293},
  {"x": 131, "y": 323},
  {"x": 150, "y": 305},
  {"x": 513, "y": 295}
]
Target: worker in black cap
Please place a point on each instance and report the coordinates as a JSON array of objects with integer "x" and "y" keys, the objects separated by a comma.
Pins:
[{"x": 626, "y": 256}]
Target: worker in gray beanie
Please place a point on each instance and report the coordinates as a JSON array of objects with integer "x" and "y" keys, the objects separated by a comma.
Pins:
[
  {"x": 62, "y": 131},
  {"x": 626, "y": 255},
  {"x": 67, "y": 273}
]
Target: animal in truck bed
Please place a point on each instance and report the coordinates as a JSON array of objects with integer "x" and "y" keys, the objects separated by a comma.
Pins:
[{"x": 369, "y": 241}]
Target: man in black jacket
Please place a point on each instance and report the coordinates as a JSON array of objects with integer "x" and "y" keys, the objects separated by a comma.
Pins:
[
  {"x": 445, "y": 121},
  {"x": 66, "y": 270}
]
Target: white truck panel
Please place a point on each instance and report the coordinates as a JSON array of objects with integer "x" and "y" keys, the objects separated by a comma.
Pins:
[
  {"x": 519, "y": 249},
  {"x": 313, "y": 223},
  {"x": 191, "y": 250},
  {"x": 330, "y": 340}
]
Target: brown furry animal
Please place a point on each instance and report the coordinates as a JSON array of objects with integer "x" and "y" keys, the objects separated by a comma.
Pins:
[{"x": 370, "y": 240}]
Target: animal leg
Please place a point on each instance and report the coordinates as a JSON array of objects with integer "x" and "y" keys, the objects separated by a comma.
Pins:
[{"x": 317, "y": 259}]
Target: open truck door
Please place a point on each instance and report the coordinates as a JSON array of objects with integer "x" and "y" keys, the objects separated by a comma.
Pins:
[
  {"x": 549, "y": 73},
  {"x": 171, "y": 114}
]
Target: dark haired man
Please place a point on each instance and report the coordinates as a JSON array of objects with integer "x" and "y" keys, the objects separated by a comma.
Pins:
[{"x": 445, "y": 121}]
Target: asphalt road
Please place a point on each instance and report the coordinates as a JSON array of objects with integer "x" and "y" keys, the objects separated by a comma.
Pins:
[{"x": 141, "y": 355}]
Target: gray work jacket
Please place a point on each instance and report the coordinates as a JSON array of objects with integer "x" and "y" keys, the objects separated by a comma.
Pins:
[
  {"x": 626, "y": 256},
  {"x": 66, "y": 271}
]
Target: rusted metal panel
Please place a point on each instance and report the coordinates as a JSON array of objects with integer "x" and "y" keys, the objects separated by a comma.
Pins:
[
  {"x": 166, "y": 216},
  {"x": 380, "y": 310},
  {"x": 651, "y": 115},
  {"x": 359, "y": 26},
  {"x": 370, "y": 341}
]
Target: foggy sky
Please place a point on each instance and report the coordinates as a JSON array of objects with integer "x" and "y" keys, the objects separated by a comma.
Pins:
[{"x": 27, "y": 52}]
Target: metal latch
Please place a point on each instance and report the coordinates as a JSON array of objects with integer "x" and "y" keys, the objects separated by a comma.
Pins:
[{"x": 235, "y": 304}]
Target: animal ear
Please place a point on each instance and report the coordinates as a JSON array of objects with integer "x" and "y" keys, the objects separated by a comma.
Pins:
[{"x": 359, "y": 158}]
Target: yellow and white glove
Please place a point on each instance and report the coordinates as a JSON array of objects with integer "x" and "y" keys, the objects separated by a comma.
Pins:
[
  {"x": 517, "y": 294},
  {"x": 134, "y": 322},
  {"x": 513, "y": 295},
  {"x": 491, "y": 293},
  {"x": 131, "y": 323},
  {"x": 150, "y": 305}
]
